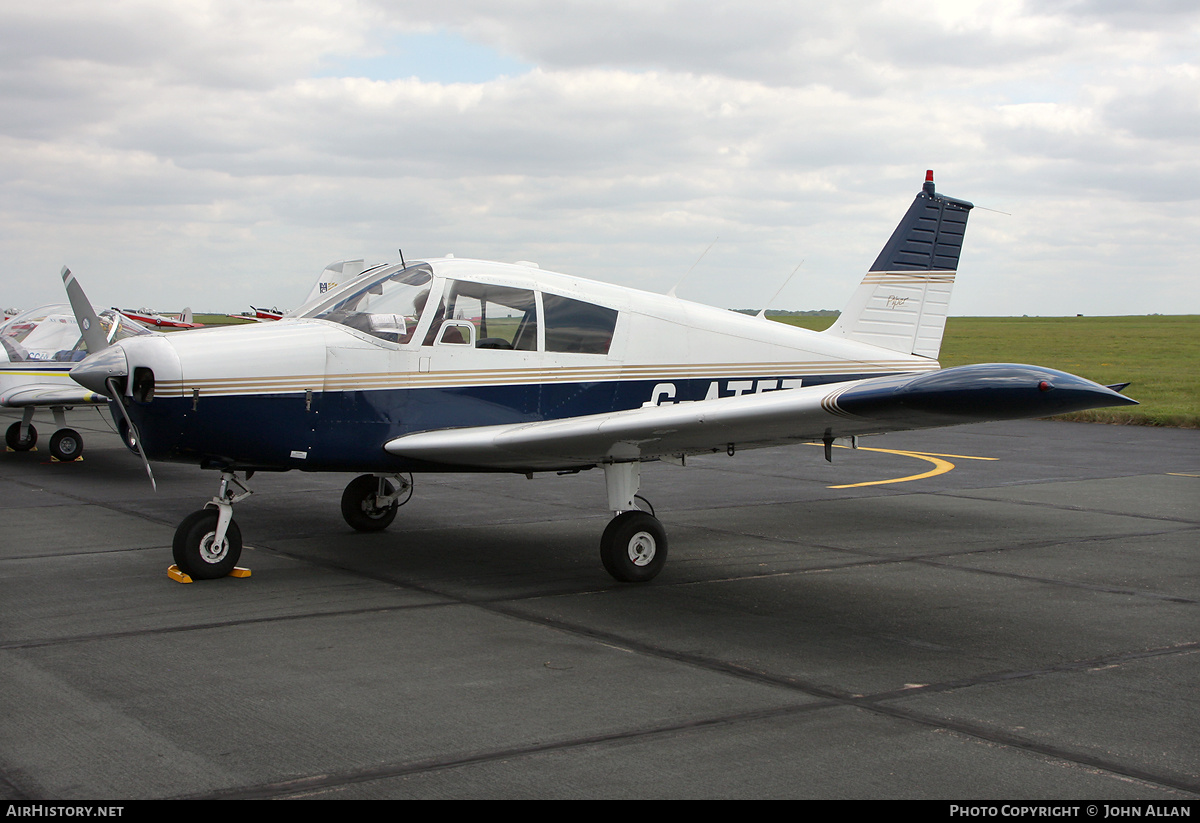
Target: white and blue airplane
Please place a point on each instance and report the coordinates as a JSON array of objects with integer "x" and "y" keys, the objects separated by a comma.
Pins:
[
  {"x": 39, "y": 348},
  {"x": 452, "y": 365}
]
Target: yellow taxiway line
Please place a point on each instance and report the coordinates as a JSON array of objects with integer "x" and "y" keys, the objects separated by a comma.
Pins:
[{"x": 940, "y": 466}]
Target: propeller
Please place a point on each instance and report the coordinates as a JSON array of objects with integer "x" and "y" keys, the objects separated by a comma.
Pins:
[
  {"x": 104, "y": 365},
  {"x": 115, "y": 394},
  {"x": 93, "y": 333}
]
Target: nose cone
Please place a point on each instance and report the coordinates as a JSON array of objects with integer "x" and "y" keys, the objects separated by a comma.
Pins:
[{"x": 94, "y": 370}]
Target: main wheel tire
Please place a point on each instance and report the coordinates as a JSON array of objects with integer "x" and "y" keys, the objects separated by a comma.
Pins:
[
  {"x": 358, "y": 504},
  {"x": 12, "y": 438},
  {"x": 194, "y": 550},
  {"x": 66, "y": 445},
  {"x": 634, "y": 547}
]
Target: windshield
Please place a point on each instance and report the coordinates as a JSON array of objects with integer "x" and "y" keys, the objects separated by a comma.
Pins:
[{"x": 387, "y": 306}]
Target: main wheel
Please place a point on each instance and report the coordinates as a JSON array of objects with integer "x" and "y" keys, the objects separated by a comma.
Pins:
[
  {"x": 13, "y": 439},
  {"x": 634, "y": 547},
  {"x": 197, "y": 554},
  {"x": 359, "y": 508},
  {"x": 66, "y": 445}
]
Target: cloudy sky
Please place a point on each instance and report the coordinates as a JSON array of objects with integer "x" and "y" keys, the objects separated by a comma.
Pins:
[{"x": 218, "y": 153}]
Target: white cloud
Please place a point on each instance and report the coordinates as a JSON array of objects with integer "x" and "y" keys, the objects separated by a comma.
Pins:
[{"x": 201, "y": 151}]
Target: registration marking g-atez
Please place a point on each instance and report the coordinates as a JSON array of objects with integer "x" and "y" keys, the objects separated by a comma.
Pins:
[{"x": 663, "y": 394}]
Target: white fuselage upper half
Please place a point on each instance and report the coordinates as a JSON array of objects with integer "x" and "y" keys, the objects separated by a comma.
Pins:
[{"x": 654, "y": 337}]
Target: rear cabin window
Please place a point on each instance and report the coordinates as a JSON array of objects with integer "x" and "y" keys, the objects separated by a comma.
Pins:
[{"x": 575, "y": 326}]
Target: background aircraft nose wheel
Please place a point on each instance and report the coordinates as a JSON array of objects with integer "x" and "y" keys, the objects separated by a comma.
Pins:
[
  {"x": 360, "y": 507},
  {"x": 66, "y": 445},
  {"x": 13, "y": 439},
  {"x": 197, "y": 554},
  {"x": 634, "y": 547}
]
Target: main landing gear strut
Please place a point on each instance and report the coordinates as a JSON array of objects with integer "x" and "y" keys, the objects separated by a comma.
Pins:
[
  {"x": 208, "y": 543},
  {"x": 370, "y": 501},
  {"x": 633, "y": 547}
]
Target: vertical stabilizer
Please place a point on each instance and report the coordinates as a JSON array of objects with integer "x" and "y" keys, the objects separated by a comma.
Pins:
[
  {"x": 341, "y": 272},
  {"x": 902, "y": 303}
]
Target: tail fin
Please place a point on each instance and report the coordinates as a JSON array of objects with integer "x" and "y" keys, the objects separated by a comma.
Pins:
[
  {"x": 902, "y": 303},
  {"x": 339, "y": 272}
]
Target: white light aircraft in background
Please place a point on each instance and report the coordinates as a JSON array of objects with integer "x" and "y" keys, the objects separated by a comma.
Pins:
[
  {"x": 40, "y": 347},
  {"x": 455, "y": 365}
]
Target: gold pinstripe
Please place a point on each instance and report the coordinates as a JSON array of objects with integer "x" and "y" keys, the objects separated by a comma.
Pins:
[{"x": 362, "y": 381}]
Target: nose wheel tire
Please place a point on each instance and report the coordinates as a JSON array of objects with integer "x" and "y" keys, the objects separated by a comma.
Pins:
[
  {"x": 196, "y": 552},
  {"x": 360, "y": 509},
  {"x": 634, "y": 547},
  {"x": 13, "y": 439},
  {"x": 66, "y": 445}
]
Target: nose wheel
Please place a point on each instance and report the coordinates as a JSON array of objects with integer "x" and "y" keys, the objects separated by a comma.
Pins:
[
  {"x": 199, "y": 552},
  {"x": 208, "y": 544}
]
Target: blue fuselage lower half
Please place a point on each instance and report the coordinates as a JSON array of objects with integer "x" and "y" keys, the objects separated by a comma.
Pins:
[{"x": 346, "y": 430}]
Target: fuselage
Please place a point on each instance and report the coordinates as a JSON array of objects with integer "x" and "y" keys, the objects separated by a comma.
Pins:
[{"x": 453, "y": 343}]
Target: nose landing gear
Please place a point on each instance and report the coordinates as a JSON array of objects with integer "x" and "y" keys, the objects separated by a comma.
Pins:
[{"x": 208, "y": 543}]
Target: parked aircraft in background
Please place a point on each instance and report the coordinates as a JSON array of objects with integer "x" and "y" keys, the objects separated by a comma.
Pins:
[
  {"x": 455, "y": 365},
  {"x": 329, "y": 278},
  {"x": 40, "y": 347},
  {"x": 267, "y": 314},
  {"x": 153, "y": 319}
]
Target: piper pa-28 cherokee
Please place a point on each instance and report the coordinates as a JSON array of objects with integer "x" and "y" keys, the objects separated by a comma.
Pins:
[{"x": 454, "y": 365}]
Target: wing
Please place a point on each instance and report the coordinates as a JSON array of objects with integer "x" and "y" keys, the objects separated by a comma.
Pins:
[
  {"x": 50, "y": 394},
  {"x": 965, "y": 394}
]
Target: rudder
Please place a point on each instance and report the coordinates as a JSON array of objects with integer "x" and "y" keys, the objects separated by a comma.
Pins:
[{"x": 903, "y": 301}]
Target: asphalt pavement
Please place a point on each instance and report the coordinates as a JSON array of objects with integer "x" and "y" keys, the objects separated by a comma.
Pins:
[{"x": 1016, "y": 615}]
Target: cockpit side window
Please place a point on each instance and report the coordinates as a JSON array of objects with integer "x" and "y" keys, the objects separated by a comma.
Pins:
[
  {"x": 576, "y": 326},
  {"x": 503, "y": 317}
]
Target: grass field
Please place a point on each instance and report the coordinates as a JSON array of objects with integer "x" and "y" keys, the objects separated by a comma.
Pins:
[{"x": 1158, "y": 354}]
